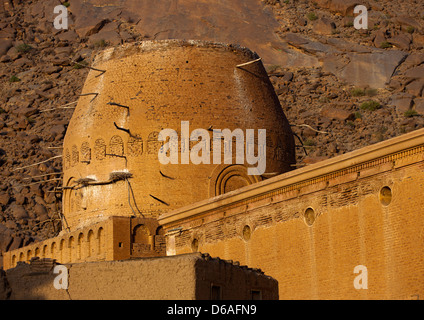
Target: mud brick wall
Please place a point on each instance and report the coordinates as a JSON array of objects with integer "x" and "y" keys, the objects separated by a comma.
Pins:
[
  {"x": 116, "y": 238},
  {"x": 311, "y": 227},
  {"x": 186, "y": 277}
]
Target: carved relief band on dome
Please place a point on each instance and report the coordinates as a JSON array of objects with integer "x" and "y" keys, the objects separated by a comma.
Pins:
[
  {"x": 153, "y": 145},
  {"x": 135, "y": 146},
  {"x": 198, "y": 152},
  {"x": 100, "y": 149},
  {"x": 85, "y": 152},
  {"x": 116, "y": 146},
  {"x": 75, "y": 156},
  {"x": 67, "y": 159}
]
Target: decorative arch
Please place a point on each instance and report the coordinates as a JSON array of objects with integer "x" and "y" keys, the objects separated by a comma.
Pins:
[
  {"x": 100, "y": 149},
  {"x": 90, "y": 243},
  {"x": 227, "y": 178},
  {"x": 61, "y": 250},
  {"x": 53, "y": 250},
  {"x": 44, "y": 252},
  {"x": 29, "y": 255},
  {"x": 116, "y": 146},
  {"x": 75, "y": 156},
  {"x": 67, "y": 159},
  {"x": 153, "y": 145},
  {"x": 80, "y": 245},
  {"x": 135, "y": 146},
  {"x": 37, "y": 252},
  {"x": 71, "y": 247},
  {"x": 85, "y": 152},
  {"x": 160, "y": 231},
  {"x": 140, "y": 234},
  {"x": 100, "y": 241}
]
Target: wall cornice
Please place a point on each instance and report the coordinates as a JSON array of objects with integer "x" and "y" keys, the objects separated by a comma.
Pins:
[{"x": 384, "y": 156}]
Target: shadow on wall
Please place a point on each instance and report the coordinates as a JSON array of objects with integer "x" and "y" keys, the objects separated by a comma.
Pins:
[
  {"x": 30, "y": 280},
  {"x": 194, "y": 276}
]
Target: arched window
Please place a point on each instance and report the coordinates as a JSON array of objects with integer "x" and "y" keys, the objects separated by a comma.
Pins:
[
  {"x": 71, "y": 246},
  {"x": 101, "y": 241},
  {"x": 75, "y": 156},
  {"x": 85, "y": 152},
  {"x": 116, "y": 146},
  {"x": 90, "y": 243},
  {"x": 140, "y": 234},
  {"x": 80, "y": 248},
  {"x": 99, "y": 149}
]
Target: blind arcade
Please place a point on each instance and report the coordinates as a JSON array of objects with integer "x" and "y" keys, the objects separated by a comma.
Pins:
[{"x": 201, "y": 151}]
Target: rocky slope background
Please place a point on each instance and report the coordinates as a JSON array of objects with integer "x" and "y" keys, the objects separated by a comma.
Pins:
[{"x": 340, "y": 88}]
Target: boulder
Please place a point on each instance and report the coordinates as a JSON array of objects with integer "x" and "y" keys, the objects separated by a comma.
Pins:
[
  {"x": 295, "y": 39},
  {"x": 401, "y": 41},
  {"x": 402, "y": 101},
  {"x": 20, "y": 199},
  {"x": 380, "y": 38},
  {"x": 371, "y": 69},
  {"x": 52, "y": 69},
  {"x": 110, "y": 37},
  {"x": 69, "y": 36},
  {"x": 419, "y": 105},
  {"x": 18, "y": 211},
  {"x": 407, "y": 21},
  {"x": 41, "y": 212},
  {"x": 324, "y": 26},
  {"x": 333, "y": 112},
  {"x": 57, "y": 130},
  {"x": 310, "y": 46},
  {"x": 415, "y": 73},
  {"x": 4, "y": 198},
  {"x": 414, "y": 59},
  {"x": 5, "y": 45},
  {"x": 418, "y": 40},
  {"x": 415, "y": 87},
  {"x": 6, "y": 237},
  {"x": 16, "y": 243},
  {"x": 344, "y": 7}
]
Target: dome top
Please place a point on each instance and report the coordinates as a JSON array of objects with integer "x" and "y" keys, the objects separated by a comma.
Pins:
[{"x": 135, "y": 91}]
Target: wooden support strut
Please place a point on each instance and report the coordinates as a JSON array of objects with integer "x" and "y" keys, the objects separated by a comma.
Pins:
[
  {"x": 247, "y": 63},
  {"x": 85, "y": 66}
]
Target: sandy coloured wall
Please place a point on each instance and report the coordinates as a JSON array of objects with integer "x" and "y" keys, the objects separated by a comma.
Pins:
[
  {"x": 185, "y": 277},
  {"x": 139, "y": 90},
  {"x": 311, "y": 227}
]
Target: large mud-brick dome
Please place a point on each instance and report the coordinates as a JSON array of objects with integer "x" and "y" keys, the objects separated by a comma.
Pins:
[{"x": 132, "y": 92}]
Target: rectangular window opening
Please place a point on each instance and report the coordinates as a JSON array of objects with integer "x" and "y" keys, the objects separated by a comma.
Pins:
[{"x": 216, "y": 292}]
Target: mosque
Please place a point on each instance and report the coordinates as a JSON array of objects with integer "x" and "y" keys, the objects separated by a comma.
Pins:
[{"x": 306, "y": 228}]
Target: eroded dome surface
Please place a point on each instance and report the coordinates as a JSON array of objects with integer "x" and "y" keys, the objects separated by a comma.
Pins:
[{"x": 135, "y": 91}]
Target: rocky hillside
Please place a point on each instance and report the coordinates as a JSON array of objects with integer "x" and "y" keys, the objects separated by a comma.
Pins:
[
  {"x": 341, "y": 88},
  {"x": 364, "y": 86}
]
